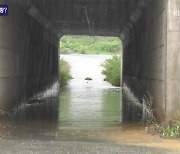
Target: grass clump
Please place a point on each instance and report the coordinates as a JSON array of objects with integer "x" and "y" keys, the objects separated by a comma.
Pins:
[
  {"x": 171, "y": 130},
  {"x": 111, "y": 69},
  {"x": 65, "y": 75},
  {"x": 147, "y": 110},
  {"x": 88, "y": 78},
  {"x": 168, "y": 130}
]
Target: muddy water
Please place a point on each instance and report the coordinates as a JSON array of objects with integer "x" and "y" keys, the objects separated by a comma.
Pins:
[{"x": 90, "y": 112}]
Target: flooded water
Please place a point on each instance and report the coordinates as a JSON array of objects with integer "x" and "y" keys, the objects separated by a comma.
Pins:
[
  {"x": 82, "y": 105},
  {"x": 87, "y": 117},
  {"x": 89, "y": 103}
]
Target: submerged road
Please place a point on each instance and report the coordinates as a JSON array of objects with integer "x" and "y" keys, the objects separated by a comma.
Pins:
[{"x": 90, "y": 117}]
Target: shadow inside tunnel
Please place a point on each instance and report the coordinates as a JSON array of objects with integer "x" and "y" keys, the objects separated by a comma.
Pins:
[
  {"x": 131, "y": 108},
  {"x": 34, "y": 121}
]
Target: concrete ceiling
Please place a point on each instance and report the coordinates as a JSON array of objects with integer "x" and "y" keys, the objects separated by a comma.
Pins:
[{"x": 91, "y": 17}]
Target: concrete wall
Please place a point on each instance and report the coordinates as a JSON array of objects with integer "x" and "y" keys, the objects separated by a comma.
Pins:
[
  {"x": 145, "y": 56},
  {"x": 28, "y": 57},
  {"x": 29, "y": 52},
  {"x": 173, "y": 59}
]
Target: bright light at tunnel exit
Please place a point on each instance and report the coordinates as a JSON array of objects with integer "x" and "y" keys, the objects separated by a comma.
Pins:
[{"x": 92, "y": 45}]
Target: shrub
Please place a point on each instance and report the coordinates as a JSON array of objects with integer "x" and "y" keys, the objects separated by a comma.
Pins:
[
  {"x": 171, "y": 130},
  {"x": 65, "y": 75},
  {"x": 88, "y": 78},
  {"x": 112, "y": 70}
]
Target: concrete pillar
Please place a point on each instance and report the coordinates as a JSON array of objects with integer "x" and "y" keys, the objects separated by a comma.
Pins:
[{"x": 173, "y": 59}]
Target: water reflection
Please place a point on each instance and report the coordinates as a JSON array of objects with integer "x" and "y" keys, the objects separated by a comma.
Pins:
[
  {"x": 89, "y": 103},
  {"x": 112, "y": 105},
  {"x": 89, "y": 106}
]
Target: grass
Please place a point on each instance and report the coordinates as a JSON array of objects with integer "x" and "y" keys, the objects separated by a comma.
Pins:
[
  {"x": 148, "y": 112},
  {"x": 65, "y": 75},
  {"x": 111, "y": 69},
  {"x": 171, "y": 130},
  {"x": 101, "y": 53},
  {"x": 67, "y": 51},
  {"x": 168, "y": 130}
]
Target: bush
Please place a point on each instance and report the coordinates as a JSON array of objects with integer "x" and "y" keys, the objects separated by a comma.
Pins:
[
  {"x": 171, "y": 130},
  {"x": 112, "y": 70},
  {"x": 65, "y": 75},
  {"x": 88, "y": 78}
]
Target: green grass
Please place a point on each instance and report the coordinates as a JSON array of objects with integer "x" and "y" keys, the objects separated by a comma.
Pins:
[
  {"x": 171, "y": 130},
  {"x": 111, "y": 69},
  {"x": 100, "y": 53},
  {"x": 89, "y": 52},
  {"x": 65, "y": 75}
]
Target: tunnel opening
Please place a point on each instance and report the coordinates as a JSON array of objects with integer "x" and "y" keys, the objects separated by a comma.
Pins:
[{"x": 88, "y": 99}]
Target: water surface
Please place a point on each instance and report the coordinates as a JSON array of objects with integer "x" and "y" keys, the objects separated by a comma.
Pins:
[{"x": 93, "y": 103}]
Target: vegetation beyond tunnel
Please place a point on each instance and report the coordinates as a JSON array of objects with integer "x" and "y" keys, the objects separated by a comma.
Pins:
[
  {"x": 93, "y": 45},
  {"x": 90, "y": 45}
]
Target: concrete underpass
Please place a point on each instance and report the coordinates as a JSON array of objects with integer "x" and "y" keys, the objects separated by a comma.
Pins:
[{"x": 149, "y": 30}]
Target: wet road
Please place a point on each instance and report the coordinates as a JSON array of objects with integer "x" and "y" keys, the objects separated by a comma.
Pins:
[
  {"x": 92, "y": 117},
  {"x": 68, "y": 147}
]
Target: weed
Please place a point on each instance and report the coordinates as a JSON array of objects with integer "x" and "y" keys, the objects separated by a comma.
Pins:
[
  {"x": 148, "y": 112},
  {"x": 171, "y": 130},
  {"x": 65, "y": 75}
]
